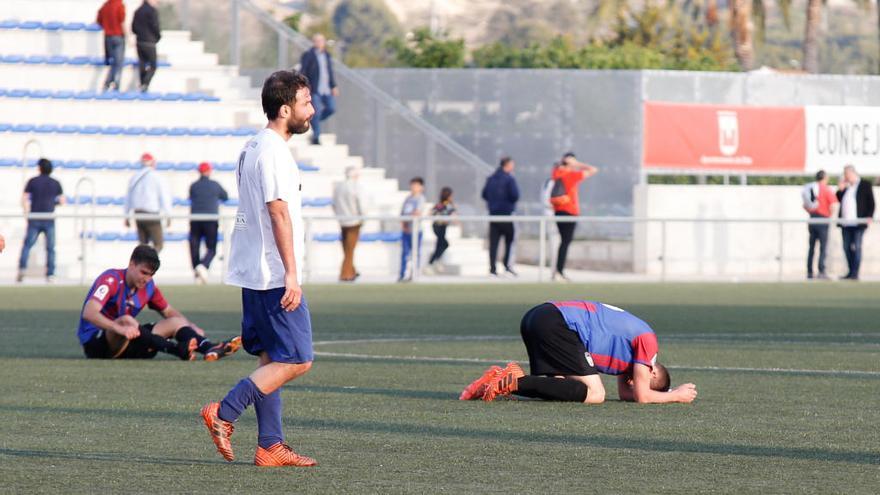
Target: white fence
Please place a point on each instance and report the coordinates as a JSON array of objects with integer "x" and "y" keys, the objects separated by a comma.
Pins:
[{"x": 659, "y": 247}]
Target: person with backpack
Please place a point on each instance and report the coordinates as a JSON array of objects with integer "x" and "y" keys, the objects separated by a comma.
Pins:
[
  {"x": 564, "y": 198},
  {"x": 817, "y": 200}
]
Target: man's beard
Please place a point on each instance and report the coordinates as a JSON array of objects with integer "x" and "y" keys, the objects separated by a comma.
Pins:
[{"x": 294, "y": 127}]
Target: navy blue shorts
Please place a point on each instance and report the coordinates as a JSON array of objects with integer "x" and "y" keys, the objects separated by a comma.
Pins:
[{"x": 265, "y": 327}]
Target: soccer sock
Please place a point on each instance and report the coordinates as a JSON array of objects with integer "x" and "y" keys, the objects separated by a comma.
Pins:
[
  {"x": 269, "y": 419},
  {"x": 185, "y": 333},
  {"x": 157, "y": 342},
  {"x": 243, "y": 394},
  {"x": 549, "y": 388}
]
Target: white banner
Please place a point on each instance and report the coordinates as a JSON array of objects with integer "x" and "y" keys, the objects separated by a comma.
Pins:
[{"x": 837, "y": 136}]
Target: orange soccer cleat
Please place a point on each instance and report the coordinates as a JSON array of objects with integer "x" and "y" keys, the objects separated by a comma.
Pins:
[
  {"x": 504, "y": 383},
  {"x": 220, "y": 430},
  {"x": 477, "y": 388},
  {"x": 280, "y": 455},
  {"x": 223, "y": 349}
]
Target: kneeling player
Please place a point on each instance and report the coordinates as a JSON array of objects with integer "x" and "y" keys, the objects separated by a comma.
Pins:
[
  {"x": 107, "y": 325},
  {"x": 569, "y": 343}
]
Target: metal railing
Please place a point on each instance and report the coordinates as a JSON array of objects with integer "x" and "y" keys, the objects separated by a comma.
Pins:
[{"x": 659, "y": 254}]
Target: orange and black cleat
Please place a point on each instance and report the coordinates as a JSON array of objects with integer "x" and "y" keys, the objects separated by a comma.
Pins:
[
  {"x": 187, "y": 350},
  {"x": 477, "y": 388},
  {"x": 504, "y": 383},
  {"x": 280, "y": 455},
  {"x": 220, "y": 430},
  {"x": 223, "y": 349}
]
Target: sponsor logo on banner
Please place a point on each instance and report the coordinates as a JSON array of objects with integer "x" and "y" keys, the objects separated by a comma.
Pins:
[
  {"x": 837, "y": 136},
  {"x": 716, "y": 137}
]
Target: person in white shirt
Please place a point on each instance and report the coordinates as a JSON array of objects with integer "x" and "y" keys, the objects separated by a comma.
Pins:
[
  {"x": 265, "y": 260},
  {"x": 348, "y": 201},
  {"x": 148, "y": 194}
]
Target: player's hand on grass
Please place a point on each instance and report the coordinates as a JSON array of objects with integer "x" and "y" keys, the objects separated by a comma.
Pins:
[
  {"x": 292, "y": 292},
  {"x": 686, "y": 392}
]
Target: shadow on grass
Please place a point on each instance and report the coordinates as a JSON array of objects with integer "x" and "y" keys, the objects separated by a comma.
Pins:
[
  {"x": 388, "y": 392},
  {"x": 421, "y": 430},
  {"x": 109, "y": 457}
]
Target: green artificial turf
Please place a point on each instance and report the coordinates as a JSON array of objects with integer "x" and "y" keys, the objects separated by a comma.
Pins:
[{"x": 788, "y": 379}]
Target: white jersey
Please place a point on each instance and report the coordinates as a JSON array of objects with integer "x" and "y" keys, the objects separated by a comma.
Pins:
[{"x": 266, "y": 172}]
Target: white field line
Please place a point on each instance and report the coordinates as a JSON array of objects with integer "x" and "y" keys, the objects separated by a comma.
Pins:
[{"x": 442, "y": 359}]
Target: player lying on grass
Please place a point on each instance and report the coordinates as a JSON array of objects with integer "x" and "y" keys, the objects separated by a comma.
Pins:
[
  {"x": 108, "y": 328},
  {"x": 569, "y": 343}
]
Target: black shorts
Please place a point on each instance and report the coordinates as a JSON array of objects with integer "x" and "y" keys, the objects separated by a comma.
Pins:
[
  {"x": 139, "y": 348},
  {"x": 554, "y": 349}
]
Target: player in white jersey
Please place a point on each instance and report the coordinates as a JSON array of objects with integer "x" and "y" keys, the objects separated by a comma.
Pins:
[{"x": 266, "y": 262}]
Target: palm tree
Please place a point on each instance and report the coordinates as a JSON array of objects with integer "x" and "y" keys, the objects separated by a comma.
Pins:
[
  {"x": 811, "y": 36},
  {"x": 742, "y": 29}
]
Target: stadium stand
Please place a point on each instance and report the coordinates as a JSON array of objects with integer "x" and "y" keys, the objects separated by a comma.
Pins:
[{"x": 51, "y": 105}]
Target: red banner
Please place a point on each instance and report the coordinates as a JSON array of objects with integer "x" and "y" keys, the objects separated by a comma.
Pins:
[{"x": 719, "y": 137}]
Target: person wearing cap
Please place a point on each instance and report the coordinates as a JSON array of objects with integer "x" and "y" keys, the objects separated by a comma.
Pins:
[
  {"x": 205, "y": 196},
  {"x": 148, "y": 194},
  {"x": 348, "y": 202}
]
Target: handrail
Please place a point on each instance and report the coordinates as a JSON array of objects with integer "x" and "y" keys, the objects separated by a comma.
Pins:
[
  {"x": 81, "y": 221},
  {"x": 374, "y": 91}
]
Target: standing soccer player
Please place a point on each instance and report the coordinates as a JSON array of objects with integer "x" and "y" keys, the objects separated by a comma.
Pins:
[{"x": 266, "y": 262}]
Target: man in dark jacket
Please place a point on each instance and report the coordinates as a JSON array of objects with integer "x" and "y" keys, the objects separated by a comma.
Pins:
[
  {"x": 317, "y": 65},
  {"x": 205, "y": 196},
  {"x": 501, "y": 194},
  {"x": 856, "y": 212},
  {"x": 145, "y": 26}
]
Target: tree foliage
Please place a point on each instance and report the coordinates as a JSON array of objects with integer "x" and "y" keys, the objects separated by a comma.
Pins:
[
  {"x": 425, "y": 50},
  {"x": 364, "y": 27}
]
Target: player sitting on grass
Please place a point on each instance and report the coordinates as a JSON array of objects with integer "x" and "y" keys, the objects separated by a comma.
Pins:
[
  {"x": 569, "y": 343},
  {"x": 108, "y": 329}
]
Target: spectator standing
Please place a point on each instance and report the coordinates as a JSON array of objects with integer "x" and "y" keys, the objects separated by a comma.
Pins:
[
  {"x": 41, "y": 194},
  {"x": 818, "y": 200},
  {"x": 445, "y": 207},
  {"x": 547, "y": 211},
  {"x": 148, "y": 195},
  {"x": 412, "y": 207},
  {"x": 145, "y": 26},
  {"x": 205, "y": 196},
  {"x": 317, "y": 65},
  {"x": 111, "y": 17},
  {"x": 348, "y": 202},
  {"x": 501, "y": 194},
  {"x": 564, "y": 197},
  {"x": 856, "y": 202}
]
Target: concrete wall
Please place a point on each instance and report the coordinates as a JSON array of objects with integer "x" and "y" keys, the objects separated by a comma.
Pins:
[{"x": 737, "y": 250}]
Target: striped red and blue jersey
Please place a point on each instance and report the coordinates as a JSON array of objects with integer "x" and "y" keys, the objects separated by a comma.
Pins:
[
  {"x": 116, "y": 300},
  {"x": 614, "y": 338}
]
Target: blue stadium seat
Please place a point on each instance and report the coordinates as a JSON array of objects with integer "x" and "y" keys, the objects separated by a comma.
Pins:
[
  {"x": 105, "y": 96},
  {"x": 36, "y": 59},
  {"x": 97, "y": 165},
  {"x": 30, "y": 25},
  {"x": 186, "y": 166},
  {"x": 171, "y": 97},
  {"x": 40, "y": 94},
  {"x": 46, "y": 128},
  {"x": 177, "y": 131},
  {"x": 327, "y": 237},
  {"x": 104, "y": 200},
  {"x": 107, "y": 236},
  {"x": 9, "y": 24},
  {"x": 119, "y": 165},
  {"x": 225, "y": 167},
  {"x": 157, "y": 131},
  {"x": 162, "y": 63},
  {"x": 8, "y": 162},
  {"x": 391, "y": 236},
  {"x": 69, "y": 129},
  {"x": 12, "y": 59},
  {"x": 90, "y": 129},
  {"x": 112, "y": 130},
  {"x": 177, "y": 236},
  {"x": 180, "y": 202},
  {"x": 231, "y": 202},
  {"x": 93, "y": 27},
  {"x": 370, "y": 237},
  {"x": 3, "y": 91},
  {"x": 149, "y": 96},
  {"x": 220, "y": 131},
  {"x": 63, "y": 94},
  {"x": 129, "y": 237},
  {"x": 4, "y": 127},
  {"x": 119, "y": 201},
  {"x": 79, "y": 60},
  {"x": 53, "y": 26},
  {"x": 164, "y": 166},
  {"x": 128, "y": 95},
  {"x": 57, "y": 60},
  {"x": 95, "y": 60},
  {"x": 307, "y": 168},
  {"x": 73, "y": 26},
  {"x": 74, "y": 164},
  {"x": 131, "y": 61},
  {"x": 18, "y": 93},
  {"x": 22, "y": 128},
  {"x": 244, "y": 131},
  {"x": 134, "y": 131},
  {"x": 84, "y": 95}
]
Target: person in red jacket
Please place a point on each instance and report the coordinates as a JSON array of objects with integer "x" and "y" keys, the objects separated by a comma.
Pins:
[
  {"x": 568, "y": 175},
  {"x": 111, "y": 17}
]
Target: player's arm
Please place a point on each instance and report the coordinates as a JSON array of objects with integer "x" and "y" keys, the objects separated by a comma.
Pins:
[
  {"x": 588, "y": 169},
  {"x": 282, "y": 230},
  {"x": 643, "y": 394},
  {"x": 125, "y": 326},
  {"x": 625, "y": 388}
]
